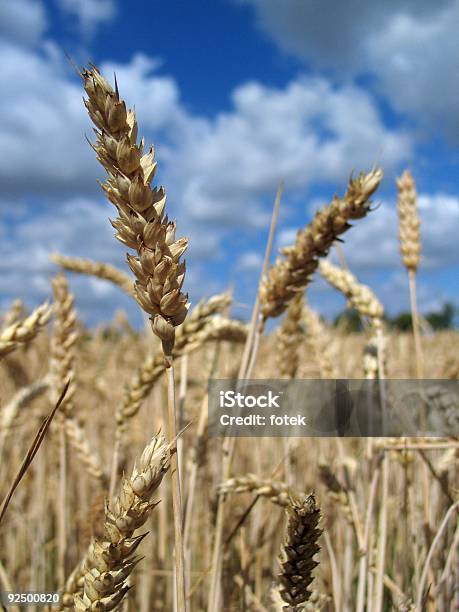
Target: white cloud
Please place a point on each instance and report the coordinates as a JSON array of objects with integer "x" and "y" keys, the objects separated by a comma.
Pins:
[
  {"x": 90, "y": 13},
  {"x": 411, "y": 46},
  {"x": 250, "y": 261},
  {"x": 23, "y": 21},
  {"x": 221, "y": 173},
  {"x": 305, "y": 133}
]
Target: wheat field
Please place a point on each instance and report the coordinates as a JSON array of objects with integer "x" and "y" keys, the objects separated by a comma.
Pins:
[{"x": 130, "y": 505}]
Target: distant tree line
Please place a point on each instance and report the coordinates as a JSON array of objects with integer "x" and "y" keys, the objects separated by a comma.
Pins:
[{"x": 441, "y": 319}]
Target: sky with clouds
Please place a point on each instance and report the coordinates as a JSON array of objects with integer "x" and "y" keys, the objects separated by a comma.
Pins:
[{"x": 237, "y": 95}]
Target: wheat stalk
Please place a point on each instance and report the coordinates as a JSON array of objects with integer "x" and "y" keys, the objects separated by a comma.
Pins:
[
  {"x": 101, "y": 270},
  {"x": 292, "y": 273},
  {"x": 21, "y": 332},
  {"x": 141, "y": 225}
]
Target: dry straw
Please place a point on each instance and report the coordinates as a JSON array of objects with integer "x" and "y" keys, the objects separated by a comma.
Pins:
[
  {"x": 21, "y": 332},
  {"x": 104, "y": 271},
  {"x": 291, "y": 273}
]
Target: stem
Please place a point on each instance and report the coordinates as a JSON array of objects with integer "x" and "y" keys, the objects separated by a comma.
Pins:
[
  {"x": 114, "y": 469},
  {"x": 379, "y": 586},
  {"x": 366, "y": 539},
  {"x": 430, "y": 554},
  {"x": 176, "y": 493},
  {"x": 229, "y": 443},
  {"x": 415, "y": 320},
  {"x": 62, "y": 523}
]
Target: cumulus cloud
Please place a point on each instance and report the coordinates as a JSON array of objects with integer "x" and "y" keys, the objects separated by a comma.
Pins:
[
  {"x": 221, "y": 172},
  {"x": 90, "y": 13},
  {"x": 23, "y": 21},
  {"x": 410, "y": 46}
]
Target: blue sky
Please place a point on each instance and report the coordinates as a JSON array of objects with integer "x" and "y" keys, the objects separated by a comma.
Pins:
[{"x": 236, "y": 95}]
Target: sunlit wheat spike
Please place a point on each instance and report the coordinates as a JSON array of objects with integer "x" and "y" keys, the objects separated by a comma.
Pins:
[
  {"x": 141, "y": 223},
  {"x": 409, "y": 223},
  {"x": 293, "y": 270}
]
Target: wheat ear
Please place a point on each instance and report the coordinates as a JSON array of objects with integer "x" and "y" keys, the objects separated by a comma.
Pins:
[
  {"x": 13, "y": 313},
  {"x": 410, "y": 248},
  {"x": 409, "y": 223},
  {"x": 359, "y": 296},
  {"x": 300, "y": 546},
  {"x": 141, "y": 225},
  {"x": 289, "y": 338},
  {"x": 279, "y": 493},
  {"x": 109, "y": 561},
  {"x": 367, "y": 305},
  {"x": 292, "y": 272},
  {"x": 318, "y": 336},
  {"x": 297, "y": 556},
  {"x": 21, "y": 332},
  {"x": 101, "y": 270}
]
